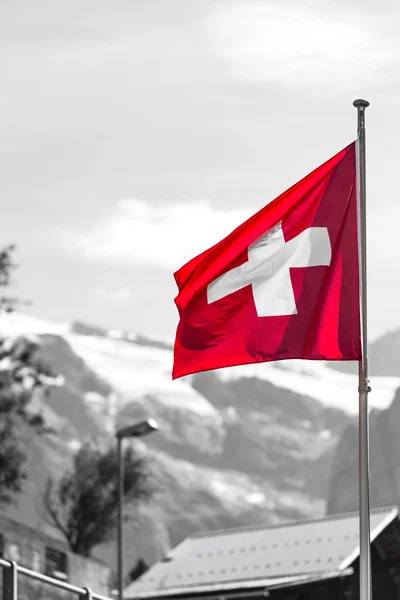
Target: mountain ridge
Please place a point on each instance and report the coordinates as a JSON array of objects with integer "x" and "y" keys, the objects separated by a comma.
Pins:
[{"x": 239, "y": 446}]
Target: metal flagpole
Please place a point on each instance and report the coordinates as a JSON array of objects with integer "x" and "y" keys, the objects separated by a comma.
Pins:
[
  {"x": 363, "y": 381},
  {"x": 120, "y": 541}
]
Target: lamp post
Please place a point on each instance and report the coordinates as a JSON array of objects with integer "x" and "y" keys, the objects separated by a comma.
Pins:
[{"x": 137, "y": 430}]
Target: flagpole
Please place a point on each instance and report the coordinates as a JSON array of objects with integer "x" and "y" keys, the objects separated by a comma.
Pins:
[{"x": 363, "y": 381}]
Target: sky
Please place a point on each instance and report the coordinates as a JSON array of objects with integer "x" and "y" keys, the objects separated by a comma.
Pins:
[{"x": 135, "y": 134}]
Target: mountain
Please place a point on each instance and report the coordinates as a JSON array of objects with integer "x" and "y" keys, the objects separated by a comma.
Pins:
[
  {"x": 240, "y": 446},
  {"x": 384, "y": 354},
  {"x": 384, "y": 360},
  {"x": 383, "y": 357},
  {"x": 384, "y": 463}
]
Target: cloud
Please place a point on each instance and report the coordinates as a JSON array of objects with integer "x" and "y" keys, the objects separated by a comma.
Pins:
[
  {"x": 139, "y": 233},
  {"x": 303, "y": 47},
  {"x": 118, "y": 296}
]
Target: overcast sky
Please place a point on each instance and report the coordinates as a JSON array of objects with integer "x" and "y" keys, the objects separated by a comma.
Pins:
[{"x": 135, "y": 134}]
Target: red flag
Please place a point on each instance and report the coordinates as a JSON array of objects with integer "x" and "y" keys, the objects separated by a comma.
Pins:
[{"x": 283, "y": 285}]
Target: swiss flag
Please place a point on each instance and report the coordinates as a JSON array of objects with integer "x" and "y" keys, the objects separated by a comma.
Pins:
[{"x": 283, "y": 285}]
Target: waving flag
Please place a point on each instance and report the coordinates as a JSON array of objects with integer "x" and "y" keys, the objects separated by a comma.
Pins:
[{"x": 283, "y": 285}]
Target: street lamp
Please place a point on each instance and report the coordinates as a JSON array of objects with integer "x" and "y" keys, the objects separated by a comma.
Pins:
[{"x": 137, "y": 430}]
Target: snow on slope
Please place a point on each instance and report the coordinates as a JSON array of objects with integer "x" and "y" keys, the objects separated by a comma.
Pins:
[
  {"x": 316, "y": 379},
  {"x": 143, "y": 370},
  {"x": 19, "y": 323},
  {"x": 135, "y": 371}
]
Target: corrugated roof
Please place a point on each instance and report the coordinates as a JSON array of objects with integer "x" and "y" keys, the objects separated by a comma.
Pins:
[{"x": 251, "y": 555}]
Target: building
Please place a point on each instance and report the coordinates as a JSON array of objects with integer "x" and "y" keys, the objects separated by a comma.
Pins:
[
  {"x": 49, "y": 554},
  {"x": 300, "y": 560}
]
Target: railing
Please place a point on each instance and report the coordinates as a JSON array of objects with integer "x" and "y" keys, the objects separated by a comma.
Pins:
[{"x": 10, "y": 582}]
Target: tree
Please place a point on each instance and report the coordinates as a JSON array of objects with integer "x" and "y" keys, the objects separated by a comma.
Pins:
[
  {"x": 21, "y": 375},
  {"x": 138, "y": 569},
  {"x": 12, "y": 459},
  {"x": 7, "y": 265},
  {"x": 83, "y": 503}
]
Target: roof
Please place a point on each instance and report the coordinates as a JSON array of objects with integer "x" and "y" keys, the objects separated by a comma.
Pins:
[{"x": 254, "y": 557}]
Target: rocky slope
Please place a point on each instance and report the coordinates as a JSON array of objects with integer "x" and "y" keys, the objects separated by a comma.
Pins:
[
  {"x": 383, "y": 356},
  {"x": 384, "y": 360},
  {"x": 235, "y": 447},
  {"x": 384, "y": 463}
]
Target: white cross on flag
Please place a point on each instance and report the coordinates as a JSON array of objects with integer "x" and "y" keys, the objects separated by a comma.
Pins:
[
  {"x": 267, "y": 270},
  {"x": 282, "y": 285}
]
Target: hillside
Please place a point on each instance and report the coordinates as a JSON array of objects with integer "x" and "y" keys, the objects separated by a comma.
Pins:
[
  {"x": 384, "y": 463},
  {"x": 235, "y": 447},
  {"x": 383, "y": 357}
]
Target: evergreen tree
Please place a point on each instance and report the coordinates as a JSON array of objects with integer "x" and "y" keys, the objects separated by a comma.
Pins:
[
  {"x": 137, "y": 570},
  {"x": 21, "y": 375}
]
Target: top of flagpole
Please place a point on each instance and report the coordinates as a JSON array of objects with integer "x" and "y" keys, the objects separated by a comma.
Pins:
[{"x": 360, "y": 103}]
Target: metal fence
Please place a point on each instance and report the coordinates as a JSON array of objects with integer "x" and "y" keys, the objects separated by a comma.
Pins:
[{"x": 10, "y": 583}]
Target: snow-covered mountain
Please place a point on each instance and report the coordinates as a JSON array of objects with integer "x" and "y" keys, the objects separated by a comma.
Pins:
[
  {"x": 235, "y": 447},
  {"x": 143, "y": 365}
]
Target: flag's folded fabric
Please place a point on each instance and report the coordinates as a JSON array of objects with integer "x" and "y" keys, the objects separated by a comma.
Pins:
[{"x": 283, "y": 285}]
